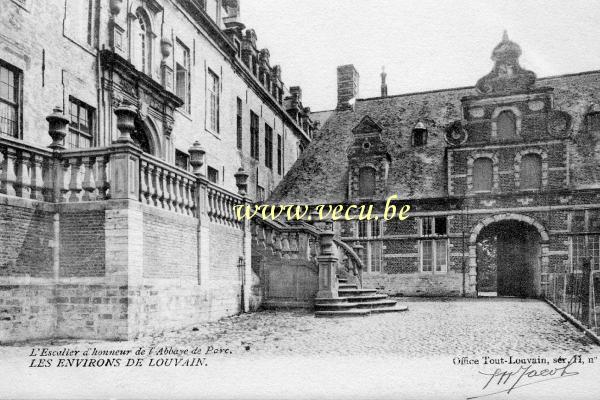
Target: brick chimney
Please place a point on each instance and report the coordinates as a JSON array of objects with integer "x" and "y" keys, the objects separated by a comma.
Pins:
[{"x": 347, "y": 80}]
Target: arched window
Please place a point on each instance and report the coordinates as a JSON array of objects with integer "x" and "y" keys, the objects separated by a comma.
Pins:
[
  {"x": 506, "y": 125},
  {"x": 531, "y": 172},
  {"x": 143, "y": 46},
  {"x": 419, "y": 135},
  {"x": 483, "y": 175},
  {"x": 366, "y": 182}
]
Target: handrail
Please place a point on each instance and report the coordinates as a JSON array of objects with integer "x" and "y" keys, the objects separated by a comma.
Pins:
[{"x": 352, "y": 256}]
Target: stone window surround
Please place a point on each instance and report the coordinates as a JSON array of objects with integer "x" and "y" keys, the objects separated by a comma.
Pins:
[
  {"x": 495, "y": 173},
  {"x": 517, "y": 167},
  {"x": 518, "y": 119}
]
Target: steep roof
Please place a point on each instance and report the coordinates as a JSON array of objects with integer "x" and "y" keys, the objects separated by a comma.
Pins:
[{"x": 321, "y": 174}]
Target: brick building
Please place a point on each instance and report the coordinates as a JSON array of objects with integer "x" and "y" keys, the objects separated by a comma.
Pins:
[
  {"x": 503, "y": 179},
  {"x": 116, "y": 208}
]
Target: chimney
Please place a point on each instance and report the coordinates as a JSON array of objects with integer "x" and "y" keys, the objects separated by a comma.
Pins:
[
  {"x": 384, "y": 91},
  {"x": 347, "y": 80}
]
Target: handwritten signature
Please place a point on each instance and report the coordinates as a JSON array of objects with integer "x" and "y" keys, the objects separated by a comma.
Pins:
[{"x": 509, "y": 381}]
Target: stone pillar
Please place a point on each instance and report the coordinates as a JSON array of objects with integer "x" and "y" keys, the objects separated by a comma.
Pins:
[
  {"x": 471, "y": 287},
  {"x": 197, "y": 155},
  {"x": 328, "y": 284},
  {"x": 124, "y": 158},
  {"x": 241, "y": 180}
]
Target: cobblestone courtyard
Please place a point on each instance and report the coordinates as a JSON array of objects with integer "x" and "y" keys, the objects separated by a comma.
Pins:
[{"x": 431, "y": 327}]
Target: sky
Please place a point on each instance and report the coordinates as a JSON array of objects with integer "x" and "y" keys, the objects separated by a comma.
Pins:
[{"x": 423, "y": 44}]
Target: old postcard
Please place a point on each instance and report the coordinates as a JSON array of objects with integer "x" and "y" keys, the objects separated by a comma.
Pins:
[{"x": 299, "y": 199}]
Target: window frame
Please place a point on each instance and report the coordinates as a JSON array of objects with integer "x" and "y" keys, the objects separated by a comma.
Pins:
[
  {"x": 279, "y": 154},
  {"x": 76, "y": 130},
  {"x": 361, "y": 192},
  {"x": 254, "y": 136},
  {"x": 239, "y": 123},
  {"x": 491, "y": 182},
  {"x": 214, "y": 171},
  {"x": 18, "y": 98},
  {"x": 213, "y": 109},
  {"x": 268, "y": 146},
  {"x": 436, "y": 268},
  {"x": 187, "y": 87}
]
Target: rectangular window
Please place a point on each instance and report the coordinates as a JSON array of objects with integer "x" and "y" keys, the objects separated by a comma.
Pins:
[
  {"x": 10, "y": 94},
  {"x": 434, "y": 226},
  {"x": 239, "y": 123},
  {"x": 582, "y": 247},
  {"x": 260, "y": 193},
  {"x": 434, "y": 256},
  {"x": 213, "y": 101},
  {"x": 363, "y": 229},
  {"x": 375, "y": 229},
  {"x": 182, "y": 160},
  {"x": 376, "y": 255},
  {"x": 268, "y": 146},
  {"x": 182, "y": 75},
  {"x": 279, "y": 155},
  {"x": 80, "y": 126},
  {"x": 213, "y": 175},
  {"x": 254, "y": 136}
]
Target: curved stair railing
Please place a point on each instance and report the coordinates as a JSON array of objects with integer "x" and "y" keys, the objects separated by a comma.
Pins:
[{"x": 355, "y": 264}]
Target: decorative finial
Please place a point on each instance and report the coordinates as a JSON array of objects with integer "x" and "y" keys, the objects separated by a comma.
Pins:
[{"x": 505, "y": 36}]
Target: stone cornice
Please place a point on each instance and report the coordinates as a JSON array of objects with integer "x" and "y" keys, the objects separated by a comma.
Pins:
[{"x": 195, "y": 10}]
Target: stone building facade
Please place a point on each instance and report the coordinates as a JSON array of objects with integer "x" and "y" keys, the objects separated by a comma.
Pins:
[
  {"x": 502, "y": 179},
  {"x": 123, "y": 129}
]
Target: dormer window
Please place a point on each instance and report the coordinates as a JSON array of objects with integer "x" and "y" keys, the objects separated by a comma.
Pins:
[
  {"x": 419, "y": 135},
  {"x": 366, "y": 182}
]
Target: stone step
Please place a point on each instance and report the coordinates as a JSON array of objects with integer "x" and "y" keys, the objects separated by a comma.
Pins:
[
  {"x": 342, "y": 280},
  {"x": 353, "y": 312},
  {"x": 355, "y": 292},
  {"x": 330, "y": 300},
  {"x": 348, "y": 305},
  {"x": 366, "y": 298},
  {"x": 342, "y": 313},
  {"x": 347, "y": 286}
]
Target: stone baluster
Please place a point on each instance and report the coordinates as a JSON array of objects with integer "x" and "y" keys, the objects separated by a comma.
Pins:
[
  {"x": 144, "y": 193},
  {"x": 177, "y": 190},
  {"x": 23, "y": 184},
  {"x": 293, "y": 243},
  {"x": 89, "y": 184},
  {"x": 9, "y": 178},
  {"x": 159, "y": 188},
  {"x": 62, "y": 181},
  {"x": 37, "y": 177},
  {"x": 75, "y": 186},
  {"x": 185, "y": 193},
  {"x": 153, "y": 186},
  {"x": 285, "y": 245},
  {"x": 100, "y": 177}
]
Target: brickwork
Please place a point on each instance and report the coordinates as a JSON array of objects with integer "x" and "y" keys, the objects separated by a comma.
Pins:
[
  {"x": 170, "y": 245},
  {"x": 26, "y": 235},
  {"x": 82, "y": 246}
]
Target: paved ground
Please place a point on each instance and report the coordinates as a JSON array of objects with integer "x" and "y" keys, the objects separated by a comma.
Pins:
[{"x": 429, "y": 328}]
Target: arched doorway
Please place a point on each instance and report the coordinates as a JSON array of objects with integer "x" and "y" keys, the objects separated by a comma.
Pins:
[
  {"x": 145, "y": 137},
  {"x": 508, "y": 256},
  {"x": 508, "y": 259}
]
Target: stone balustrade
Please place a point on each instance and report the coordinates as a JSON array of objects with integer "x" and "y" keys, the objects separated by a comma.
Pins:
[
  {"x": 221, "y": 205},
  {"x": 164, "y": 186},
  {"x": 69, "y": 176}
]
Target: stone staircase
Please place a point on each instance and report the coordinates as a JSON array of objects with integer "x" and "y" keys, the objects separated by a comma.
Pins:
[{"x": 355, "y": 302}]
